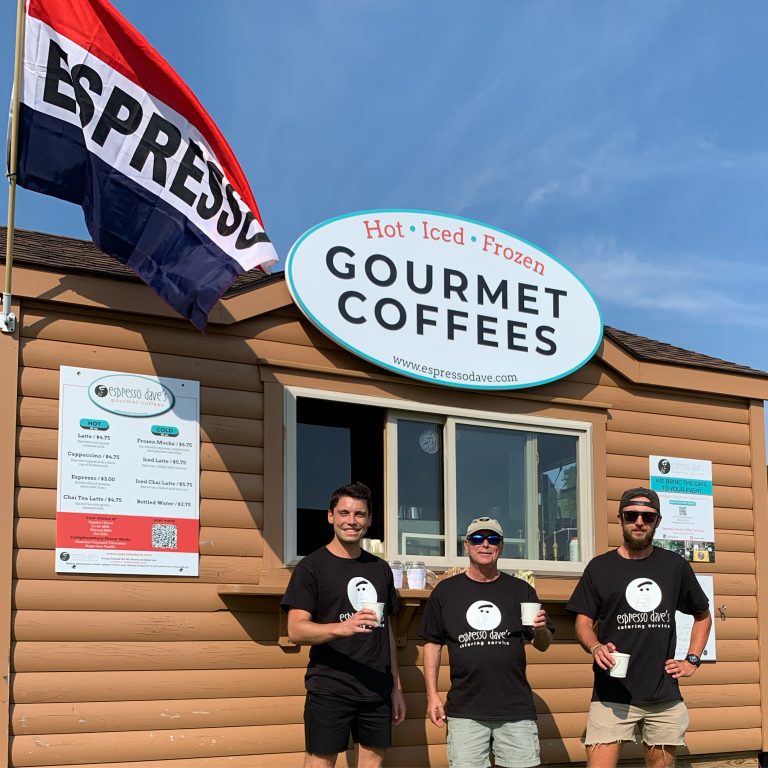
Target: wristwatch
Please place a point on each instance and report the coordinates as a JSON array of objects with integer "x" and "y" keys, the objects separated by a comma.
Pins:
[{"x": 692, "y": 658}]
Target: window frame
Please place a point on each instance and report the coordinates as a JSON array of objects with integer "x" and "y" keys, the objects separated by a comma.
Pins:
[
  {"x": 450, "y": 415},
  {"x": 454, "y": 417}
]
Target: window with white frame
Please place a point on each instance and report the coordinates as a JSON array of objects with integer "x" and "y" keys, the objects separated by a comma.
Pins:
[{"x": 432, "y": 471}]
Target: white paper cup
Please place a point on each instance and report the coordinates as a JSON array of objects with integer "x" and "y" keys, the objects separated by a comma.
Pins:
[
  {"x": 379, "y": 608},
  {"x": 619, "y": 669},
  {"x": 528, "y": 613}
]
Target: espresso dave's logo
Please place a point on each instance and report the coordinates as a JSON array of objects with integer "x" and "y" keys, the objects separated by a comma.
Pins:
[
  {"x": 444, "y": 299},
  {"x": 643, "y": 594},
  {"x": 359, "y": 591},
  {"x": 483, "y": 615},
  {"x": 129, "y": 395}
]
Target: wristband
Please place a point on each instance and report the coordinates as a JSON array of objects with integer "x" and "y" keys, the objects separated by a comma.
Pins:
[{"x": 592, "y": 649}]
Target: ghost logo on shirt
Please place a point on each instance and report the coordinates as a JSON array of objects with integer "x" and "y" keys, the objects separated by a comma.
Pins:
[
  {"x": 359, "y": 591},
  {"x": 483, "y": 615},
  {"x": 643, "y": 595}
]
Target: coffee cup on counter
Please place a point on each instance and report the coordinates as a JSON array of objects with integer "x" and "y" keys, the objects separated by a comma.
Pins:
[{"x": 374, "y": 546}]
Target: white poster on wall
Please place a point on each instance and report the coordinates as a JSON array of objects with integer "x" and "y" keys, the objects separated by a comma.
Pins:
[
  {"x": 128, "y": 474},
  {"x": 687, "y": 508},
  {"x": 684, "y": 623}
]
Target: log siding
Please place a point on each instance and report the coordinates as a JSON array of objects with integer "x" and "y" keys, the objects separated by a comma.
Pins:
[{"x": 125, "y": 671}]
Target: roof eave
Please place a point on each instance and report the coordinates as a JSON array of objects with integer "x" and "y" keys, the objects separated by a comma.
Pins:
[
  {"x": 106, "y": 292},
  {"x": 684, "y": 376},
  {"x": 271, "y": 294}
]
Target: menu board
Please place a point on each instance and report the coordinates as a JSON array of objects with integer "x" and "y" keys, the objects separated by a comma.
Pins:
[{"x": 128, "y": 495}]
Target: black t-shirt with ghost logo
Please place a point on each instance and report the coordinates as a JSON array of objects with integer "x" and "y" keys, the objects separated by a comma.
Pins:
[
  {"x": 480, "y": 624},
  {"x": 333, "y": 588},
  {"x": 634, "y": 604}
]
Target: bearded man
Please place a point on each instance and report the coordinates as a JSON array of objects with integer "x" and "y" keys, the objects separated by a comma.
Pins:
[{"x": 632, "y": 593}]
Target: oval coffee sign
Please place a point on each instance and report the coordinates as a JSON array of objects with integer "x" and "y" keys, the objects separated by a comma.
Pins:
[
  {"x": 129, "y": 395},
  {"x": 444, "y": 299}
]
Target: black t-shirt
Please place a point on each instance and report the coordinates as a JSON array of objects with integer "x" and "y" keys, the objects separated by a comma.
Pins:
[
  {"x": 333, "y": 588},
  {"x": 634, "y": 603},
  {"x": 480, "y": 623}
]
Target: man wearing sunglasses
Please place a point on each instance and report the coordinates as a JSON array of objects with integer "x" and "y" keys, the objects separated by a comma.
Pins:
[
  {"x": 477, "y": 615},
  {"x": 632, "y": 593}
]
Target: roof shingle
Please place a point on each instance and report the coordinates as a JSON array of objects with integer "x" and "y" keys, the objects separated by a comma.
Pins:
[
  {"x": 69, "y": 254},
  {"x": 659, "y": 352}
]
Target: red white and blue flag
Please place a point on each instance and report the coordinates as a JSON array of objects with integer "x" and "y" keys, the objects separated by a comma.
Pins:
[{"x": 107, "y": 124}]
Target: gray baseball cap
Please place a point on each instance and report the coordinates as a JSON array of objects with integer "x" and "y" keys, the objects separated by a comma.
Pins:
[{"x": 484, "y": 524}]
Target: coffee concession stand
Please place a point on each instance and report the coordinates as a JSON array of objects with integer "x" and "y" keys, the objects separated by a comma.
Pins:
[{"x": 158, "y": 485}]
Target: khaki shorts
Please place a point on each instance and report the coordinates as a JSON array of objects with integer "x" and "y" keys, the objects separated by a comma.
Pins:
[
  {"x": 515, "y": 744},
  {"x": 662, "y": 724}
]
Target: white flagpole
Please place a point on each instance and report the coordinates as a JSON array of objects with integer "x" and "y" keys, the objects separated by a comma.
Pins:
[{"x": 7, "y": 318}]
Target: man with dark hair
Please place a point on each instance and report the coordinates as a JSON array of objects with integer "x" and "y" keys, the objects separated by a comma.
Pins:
[
  {"x": 352, "y": 679},
  {"x": 632, "y": 593},
  {"x": 477, "y": 614}
]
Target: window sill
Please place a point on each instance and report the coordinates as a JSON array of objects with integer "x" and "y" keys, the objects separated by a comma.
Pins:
[
  {"x": 252, "y": 590},
  {"x": 270, "y": 591},
  {"x": 549, "y": 590},
  {"x": 410, "y": 600}
]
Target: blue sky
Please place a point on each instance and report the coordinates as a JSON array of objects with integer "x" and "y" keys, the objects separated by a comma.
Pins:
[{"x": 630, "y": 139}]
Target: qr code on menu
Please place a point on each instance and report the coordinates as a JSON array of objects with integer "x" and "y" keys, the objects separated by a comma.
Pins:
[{"x": 164, "y": 536}]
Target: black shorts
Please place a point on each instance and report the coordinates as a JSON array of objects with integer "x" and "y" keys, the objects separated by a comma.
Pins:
[{"x": 329, "y": 721}]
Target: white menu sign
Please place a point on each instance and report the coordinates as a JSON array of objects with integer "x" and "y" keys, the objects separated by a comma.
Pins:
[
  {"x": 684, "y": 623},
  {"x": 128, "y": 474}
]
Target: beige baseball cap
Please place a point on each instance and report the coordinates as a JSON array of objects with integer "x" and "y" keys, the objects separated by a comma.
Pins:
[{"x": 484, "y": 524}]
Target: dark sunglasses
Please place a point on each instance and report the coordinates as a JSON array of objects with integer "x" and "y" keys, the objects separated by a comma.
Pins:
[
  {"x": 648, "y": 517},
  {"x": 478, "y": 538}
]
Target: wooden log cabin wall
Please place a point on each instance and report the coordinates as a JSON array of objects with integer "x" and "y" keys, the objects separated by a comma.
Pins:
[{"x": 129, "y": 671}]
